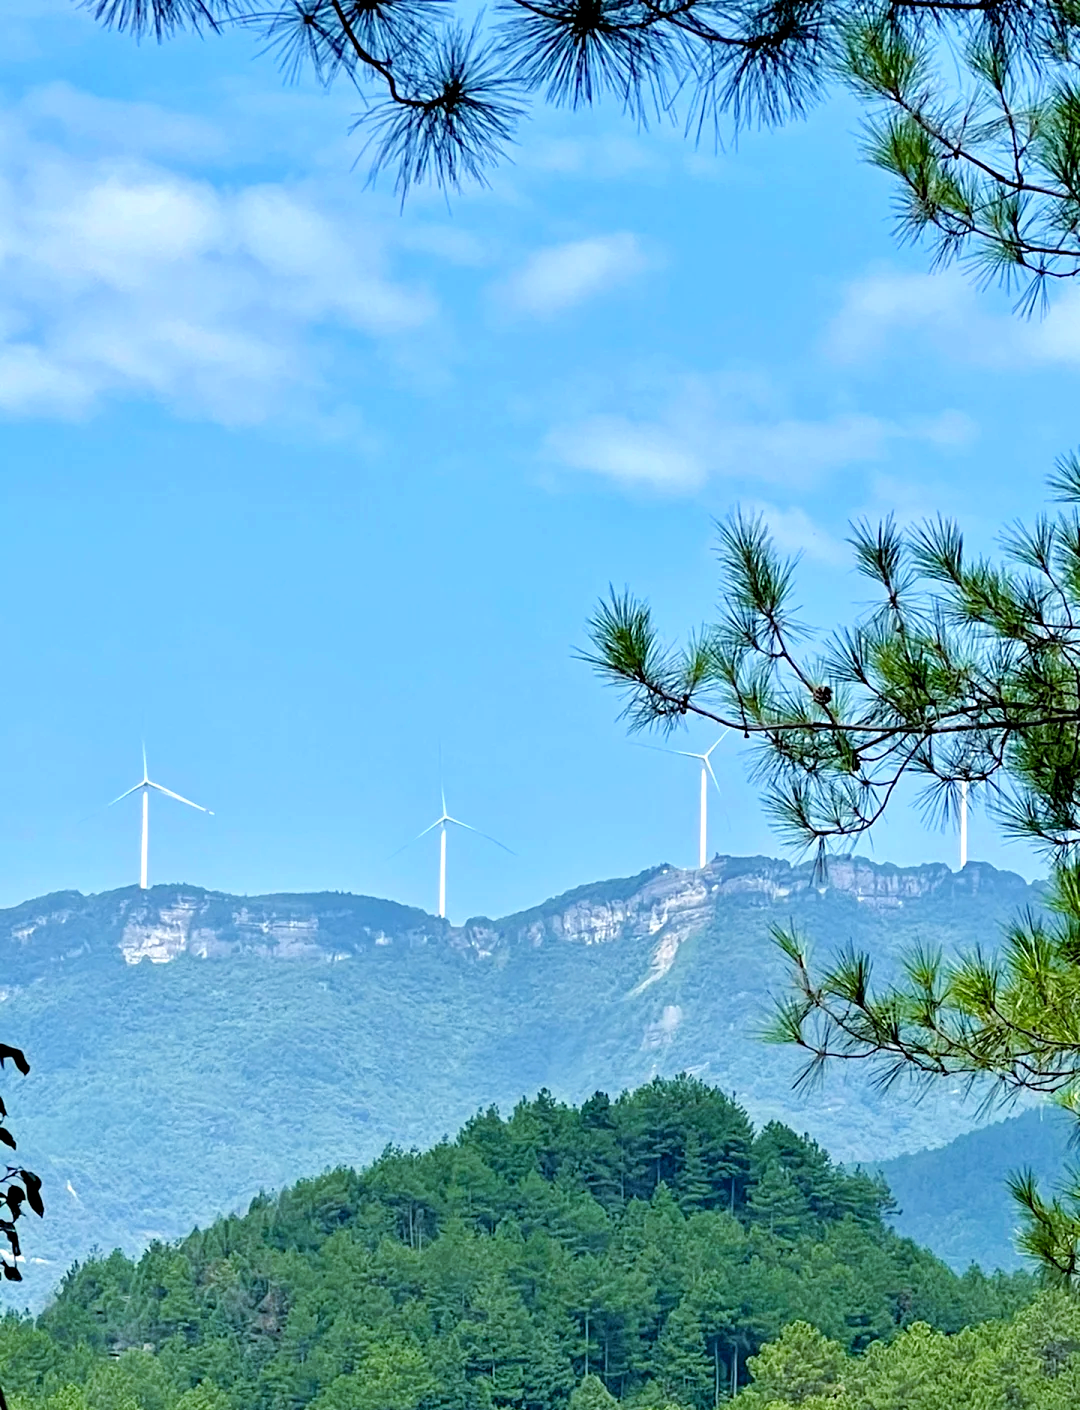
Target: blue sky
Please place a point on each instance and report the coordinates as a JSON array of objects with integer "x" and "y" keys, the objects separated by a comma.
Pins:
[{"x": 304, "y": 489}]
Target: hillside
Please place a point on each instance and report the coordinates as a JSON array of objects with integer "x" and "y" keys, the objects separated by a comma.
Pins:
[
  {"x": 655, "y": 1241},
  {"x": 953, "y": 1199},
  {"x": 191, "y": 1048}
]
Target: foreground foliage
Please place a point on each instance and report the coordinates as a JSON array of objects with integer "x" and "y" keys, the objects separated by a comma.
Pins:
[
  {"x": 19, "y": 1188},
  {"x": 641, "y": 1248},
  {"x": 975, "y": 104},
  {"x": 965, "y": 673}
]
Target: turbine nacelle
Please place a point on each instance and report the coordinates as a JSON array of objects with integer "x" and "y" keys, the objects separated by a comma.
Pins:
[
  {"x": 440, "y": 823},
  {"x": 145, "y": 784}
]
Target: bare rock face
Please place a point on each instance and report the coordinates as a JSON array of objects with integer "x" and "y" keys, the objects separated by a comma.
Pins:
[
  {"x": 672, "y": 904},
  {"x": 158, "y": 936},
  {"x": 665, "y": 905}
]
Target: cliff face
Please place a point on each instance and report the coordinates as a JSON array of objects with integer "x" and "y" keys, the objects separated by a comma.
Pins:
[
  {"x": 665, "y": 905},
  {"x": 165, "y": 922},
  {"x": 672, "y": 904}
]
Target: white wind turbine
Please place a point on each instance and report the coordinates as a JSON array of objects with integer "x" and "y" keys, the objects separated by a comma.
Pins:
[
  {"x": 440, "y": 823},
  {"x": 706, "y": 774},
  {"x": 963, "y": 823},
  {"x": 144, "y": 786}
]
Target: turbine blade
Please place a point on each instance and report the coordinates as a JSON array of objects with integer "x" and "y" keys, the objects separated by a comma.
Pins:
[
  {"x": 656, "y": 748},
  {"x": 411, "y": 840},
  {"x": 145, "y": 774},
  {"x": 708, "y": 765},
  {"x": 486, "y": 835},
  {"x": 713, "y": 746},
  {"x": 125, "y": 795},
  {"x": 170, "y": 794}
]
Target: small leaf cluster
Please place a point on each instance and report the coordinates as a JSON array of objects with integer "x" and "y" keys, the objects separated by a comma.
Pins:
[{"x": 18, "y": 1187}]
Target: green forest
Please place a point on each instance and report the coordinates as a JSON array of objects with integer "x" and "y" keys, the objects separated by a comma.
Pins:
[{"x": 653, "y": 1250}]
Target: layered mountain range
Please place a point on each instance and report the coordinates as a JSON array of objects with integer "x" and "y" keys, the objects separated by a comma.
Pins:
[{"x": 190, "y": 1048}]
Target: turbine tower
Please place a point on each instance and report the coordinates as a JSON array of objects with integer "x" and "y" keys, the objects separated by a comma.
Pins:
[
  {"x": 703, "y": 820},
  {"x": 440, "y": 823},
  {"x": 963, "y": 823},
  {"x": 144, "y": 786},
  {"x": 706, "y": 774}
]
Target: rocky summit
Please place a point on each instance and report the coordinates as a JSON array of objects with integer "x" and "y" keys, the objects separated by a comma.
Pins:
[
  {"x": 190, "y": 1048},
  {"x": 166, "y": 922}
]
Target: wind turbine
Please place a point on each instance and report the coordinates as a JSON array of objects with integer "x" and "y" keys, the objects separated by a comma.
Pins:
[
  {"x": 706, "y": 774},
  {"x": 440, "y": 823},
  {"x": 144, "y": 785},
  {"x": 963, "y": 822}
]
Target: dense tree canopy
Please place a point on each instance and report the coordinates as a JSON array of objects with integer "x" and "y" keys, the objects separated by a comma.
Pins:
[
  {"x": 973, "y": 105},
  {"x": 965, "y": 672},
  {"x": 1029, "y": 1363},
  {"x": 639, "y": 1249}
]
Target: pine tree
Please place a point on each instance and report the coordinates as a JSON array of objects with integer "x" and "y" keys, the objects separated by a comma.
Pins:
[
  {"x": 966, "y": 673},
  {"x": 592, "y": 1394},
  {"x": 777, "y": 1203},
  {"x": 800, "y": 1363},
  {"x": 714, "y": 1303},
  {"x": 682, "y": 1363},
  {"x": 694, "y": 1188}
]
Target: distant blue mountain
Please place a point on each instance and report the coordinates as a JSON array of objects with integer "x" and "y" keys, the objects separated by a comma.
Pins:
[{"x": 953, "y": 1199}]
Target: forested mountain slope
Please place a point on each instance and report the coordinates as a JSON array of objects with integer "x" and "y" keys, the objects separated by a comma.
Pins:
[
  {"x": 655, "y": 1242},
  {"x": 954, "y": 1200},
  {"x": 191, "y": 1048}
]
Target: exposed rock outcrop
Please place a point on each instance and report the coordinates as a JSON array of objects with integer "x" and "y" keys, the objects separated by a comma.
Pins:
[{"x": 665, "y": 904}]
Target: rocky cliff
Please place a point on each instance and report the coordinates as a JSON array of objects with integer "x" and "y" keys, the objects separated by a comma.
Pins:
[{"x": 665, "y": 902}]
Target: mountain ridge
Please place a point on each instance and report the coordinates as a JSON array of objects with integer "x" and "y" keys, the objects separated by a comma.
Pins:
[
  {"x": 190, "y": 1048},
  {"x": 287, "y": 924}
]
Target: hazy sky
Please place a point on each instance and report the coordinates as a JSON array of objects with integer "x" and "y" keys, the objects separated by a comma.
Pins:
[{"x": 301, "y": 489}]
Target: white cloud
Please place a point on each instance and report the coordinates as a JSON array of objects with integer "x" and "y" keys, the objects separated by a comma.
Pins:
[
  {"x": 85, "y": 122},
  {"x": 878, "y": 306},
  {"x": 886, "y": 310},
  {"x": 560, "y": 276},
  {"x": 793, "y": 531},
  {"x": 120, "y": 275},
  {"x": 631, "y": 453},
  {"x": 728, "y": 430}
]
